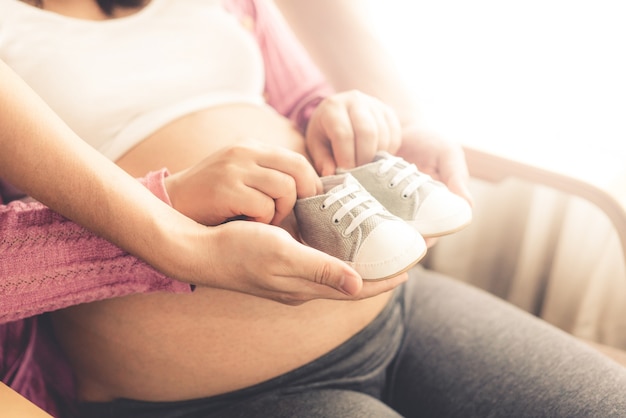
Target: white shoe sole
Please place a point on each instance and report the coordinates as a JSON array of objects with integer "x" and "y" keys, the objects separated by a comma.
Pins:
[
  {"x": 400, "y": 263},
  {"x": 432, "y": 228}
]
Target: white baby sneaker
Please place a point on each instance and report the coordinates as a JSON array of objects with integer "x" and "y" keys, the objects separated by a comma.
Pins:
[
  {"x": 348, "y": 223},
  {"x": 424, "y": 203}
]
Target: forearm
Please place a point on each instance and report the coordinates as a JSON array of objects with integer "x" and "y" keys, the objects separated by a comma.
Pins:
[
  {"x": 43, "y": 157},
  {"x": 339, "y": 36},
  {"x": 48, "y": 262}
]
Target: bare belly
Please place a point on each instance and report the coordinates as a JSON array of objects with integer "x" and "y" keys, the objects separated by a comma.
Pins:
[{"x": 175, "y": 347}]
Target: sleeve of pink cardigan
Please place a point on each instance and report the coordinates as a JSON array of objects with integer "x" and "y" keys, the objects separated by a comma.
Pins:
[
  {"x": 48, "y": 262},
  {"x": 294, "y": 86}
]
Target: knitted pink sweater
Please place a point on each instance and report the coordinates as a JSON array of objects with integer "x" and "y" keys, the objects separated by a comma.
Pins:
[{"x": 48, "y": 262}]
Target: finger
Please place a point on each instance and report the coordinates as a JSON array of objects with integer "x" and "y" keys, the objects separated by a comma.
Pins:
[
  {"x": 395, "y": 131},
  {"x": 255, "y": 205},
  {"x": 321, "y": 153},
  {"x": 454, "y": 173},
  {"x": 323, "y": 269},
  {"x": 458, "y": 184},
  {"x": 373, "y": 288},
  {"x": 307, "y": 182},
  {"x": 337, "y": 126},
  {"x": 367, "y": 128},
  {"x": 384, "y": 132},
  {"x": 279, "y": 186},
  {"x": 431, "y": 241}
]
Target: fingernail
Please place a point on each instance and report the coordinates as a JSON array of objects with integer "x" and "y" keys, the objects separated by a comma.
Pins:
[{"x": 350, "y": 285}]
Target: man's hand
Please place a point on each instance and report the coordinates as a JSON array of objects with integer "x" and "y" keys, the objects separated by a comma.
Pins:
[
  {"x": 250, "y": 180},
  {"x": 266, "y": 261}
]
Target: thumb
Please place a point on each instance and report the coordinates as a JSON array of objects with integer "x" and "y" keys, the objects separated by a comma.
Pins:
[{"x": 324, "y": 269}]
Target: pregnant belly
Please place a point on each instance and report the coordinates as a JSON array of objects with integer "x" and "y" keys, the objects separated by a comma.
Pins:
[
  {"x": 164, "y": 347},
  {"x": 188, "y": 140}
]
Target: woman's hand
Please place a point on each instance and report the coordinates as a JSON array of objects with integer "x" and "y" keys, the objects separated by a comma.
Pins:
[
  {"x": 266, "y": 261},
  {"x": 250, "y": 180},
  {"x": 260, "y": 183},
  {"x": 441, "y": 159},
  {"x": 347, "y": 129}
]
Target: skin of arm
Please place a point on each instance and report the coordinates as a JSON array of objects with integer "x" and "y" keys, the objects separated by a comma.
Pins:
[
  {"x": 52, "y": 164},
  {"x": 43, "y": 157},
  {"x": 340, "y": 39}
]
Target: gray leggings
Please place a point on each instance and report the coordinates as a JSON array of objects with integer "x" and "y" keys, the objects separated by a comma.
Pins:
[{"x": 439, "y": 349}]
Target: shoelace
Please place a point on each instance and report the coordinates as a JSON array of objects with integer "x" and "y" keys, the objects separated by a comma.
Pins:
[
  {"x": 407, "y": 171},
  {"x": 361, "y": 197}
]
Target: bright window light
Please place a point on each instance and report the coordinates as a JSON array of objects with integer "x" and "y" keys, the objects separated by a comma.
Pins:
[{"x": 515, "y": 74}]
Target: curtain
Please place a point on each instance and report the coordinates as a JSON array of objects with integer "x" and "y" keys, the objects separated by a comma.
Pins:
[{"x": 552, "y": 254}]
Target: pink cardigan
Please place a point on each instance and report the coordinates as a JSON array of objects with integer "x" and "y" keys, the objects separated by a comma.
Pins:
[{"x": 48, "y": 263}]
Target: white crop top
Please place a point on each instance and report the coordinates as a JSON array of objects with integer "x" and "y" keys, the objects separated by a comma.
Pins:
[{"x": 114, "y": 82}]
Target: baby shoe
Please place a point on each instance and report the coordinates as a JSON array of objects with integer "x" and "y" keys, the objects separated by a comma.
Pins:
[
  {"x": 348, "y": 223},
  {"x": 422, "y": 202}
]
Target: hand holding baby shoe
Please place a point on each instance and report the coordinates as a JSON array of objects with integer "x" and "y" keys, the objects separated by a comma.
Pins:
[
  {"x": 415, "y": 197},
  {"x": 347, "y": 129},
  {"x": 250, "y": 180}
]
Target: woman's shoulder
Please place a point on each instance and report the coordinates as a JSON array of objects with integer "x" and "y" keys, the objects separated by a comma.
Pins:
[{"x": 12, "y": 8}]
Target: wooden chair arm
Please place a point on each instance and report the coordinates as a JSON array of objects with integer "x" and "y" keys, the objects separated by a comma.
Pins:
[
  {"x": 14, "y": 405},
  {"x": 610, "y": 197}
]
